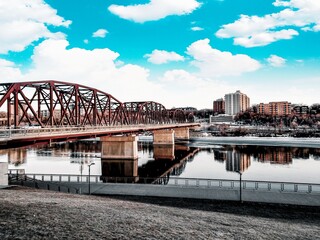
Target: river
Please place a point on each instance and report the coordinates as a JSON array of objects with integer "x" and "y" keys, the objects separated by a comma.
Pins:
[{"x": 199, "y": 158}]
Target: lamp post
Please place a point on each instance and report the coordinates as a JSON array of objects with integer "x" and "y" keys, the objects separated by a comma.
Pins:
[
  {"x": 89, "y": 175},
  {"x": 240, "y": 185}
]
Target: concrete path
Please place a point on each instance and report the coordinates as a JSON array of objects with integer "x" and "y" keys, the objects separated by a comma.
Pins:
[{"x": 306, "y": 199}]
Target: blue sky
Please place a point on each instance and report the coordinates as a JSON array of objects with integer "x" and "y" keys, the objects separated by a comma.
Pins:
[{"x": 176, "y": 52}]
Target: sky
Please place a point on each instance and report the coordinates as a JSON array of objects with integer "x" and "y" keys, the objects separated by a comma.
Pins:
[{"x": 176, "y": 52}]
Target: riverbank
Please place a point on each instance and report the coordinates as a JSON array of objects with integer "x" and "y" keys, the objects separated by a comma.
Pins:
[
  {"x": 39, "y": 214},
  {"x": 259, "y": 141}
]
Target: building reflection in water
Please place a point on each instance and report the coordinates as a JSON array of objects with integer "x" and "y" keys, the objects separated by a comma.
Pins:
[
  {"x": 238, "y": 158},
  {"x": 237, "y": 162}
]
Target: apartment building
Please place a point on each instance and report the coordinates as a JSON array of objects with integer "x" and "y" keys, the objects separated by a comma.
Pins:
[
  {"x": 219, "y": 106},
  {"x": 275, "y": 108},
  {"x": 236, "y": 102}
]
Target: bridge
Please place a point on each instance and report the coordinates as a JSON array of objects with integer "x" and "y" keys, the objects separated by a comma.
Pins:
[{"x": 55, "y": 110}]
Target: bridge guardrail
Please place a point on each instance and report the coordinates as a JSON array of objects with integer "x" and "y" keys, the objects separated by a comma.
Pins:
[{"x": 250, "y": 185}]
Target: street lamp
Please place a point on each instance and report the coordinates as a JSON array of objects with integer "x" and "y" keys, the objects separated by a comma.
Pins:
[
  {"x": 89, "y": 175},
  {"x": 240, "y": 185}
]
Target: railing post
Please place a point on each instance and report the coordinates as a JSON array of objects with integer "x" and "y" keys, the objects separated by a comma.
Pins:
[
  {"x": 295, "y": 187},
  {"x": 309, "y": 188}
]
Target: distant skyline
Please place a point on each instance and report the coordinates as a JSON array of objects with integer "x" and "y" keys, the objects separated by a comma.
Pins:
[{"x": 176, "y": 52}]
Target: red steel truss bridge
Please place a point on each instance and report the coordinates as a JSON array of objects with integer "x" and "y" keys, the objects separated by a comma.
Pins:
[{"x": 50, "y": 106}]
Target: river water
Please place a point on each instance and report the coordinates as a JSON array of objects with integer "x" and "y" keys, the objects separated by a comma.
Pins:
[{"x": 194, "y": 159}]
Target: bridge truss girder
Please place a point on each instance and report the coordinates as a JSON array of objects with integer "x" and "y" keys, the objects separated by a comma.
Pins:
[
  {"x": 146, "y": 112},
  {"x": 54, "y": 103}
]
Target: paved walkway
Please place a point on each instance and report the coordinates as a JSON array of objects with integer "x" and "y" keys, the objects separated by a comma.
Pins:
[{"x": 200, "y": 193}]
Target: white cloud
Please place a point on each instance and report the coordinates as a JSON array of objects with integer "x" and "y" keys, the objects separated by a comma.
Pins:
[
  {"x": 276, "y": 61},
  {"x": 161, "y": 57},
  {"x": 9, "y": 72},
  {"x": 253, "y": 31},
  {"x": 154, "y": 10},
  {"x": 99, "y": 68},
  {"x": 101, "y": 33},
  {"x": 200, "y": 91},
  {"x": 86, "y": 41},
  {"x": 24, "y": 21},
  {"x": 197, "y": 29},
  {"x": 214, "y": 63}
]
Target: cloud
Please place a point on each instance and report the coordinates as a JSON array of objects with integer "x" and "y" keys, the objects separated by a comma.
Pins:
[
  {"x": 201, "y": 91},
  {"x": 154, "y": 10},
  {"x": 215, "y": 63},
  {"x": 253, "y": 31},
  {"x": 9, "y": 72},
  {"x": 161, "y": 57},
  {"x": 197, "y": 29},
  {"x": 99, "y": 68},
  {"x": 101, "y": 33},
  {"x": 24, "y": 21},
  {"x": 276, "y": 61}
]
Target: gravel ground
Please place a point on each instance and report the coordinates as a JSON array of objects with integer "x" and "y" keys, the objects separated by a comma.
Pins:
[{"x": 39, "y": 214}]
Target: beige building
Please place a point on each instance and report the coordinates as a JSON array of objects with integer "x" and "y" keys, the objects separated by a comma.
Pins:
[
  {"x": 275, "y": 108},
  {"x": 236, "y": 102}
]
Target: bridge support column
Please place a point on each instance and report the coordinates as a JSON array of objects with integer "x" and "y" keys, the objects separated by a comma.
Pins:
[
  {"x": 181, "y": 133},
  {"x": 119, "y": 158},
  {"x": 3, "y": 174},
  {"x": 163, "y": 136},
  {"x": 119, "y": 147}
]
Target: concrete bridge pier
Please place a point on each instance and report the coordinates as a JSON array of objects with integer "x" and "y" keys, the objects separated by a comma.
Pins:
[
  {"x": 119, "y": 158},
  {"x": 119, "y": 147},
  {"x": 163, "y": 136},
  {"x": 181, "y": 133}
]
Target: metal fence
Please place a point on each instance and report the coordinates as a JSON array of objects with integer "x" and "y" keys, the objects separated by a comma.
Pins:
[{"x": 249, "y": 185}]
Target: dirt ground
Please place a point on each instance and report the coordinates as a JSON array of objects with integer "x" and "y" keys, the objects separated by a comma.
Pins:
[{"x": 39, "y": 214}]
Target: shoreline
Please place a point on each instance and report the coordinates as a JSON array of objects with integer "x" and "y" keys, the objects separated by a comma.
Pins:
[{"x": 259, "y": 141}]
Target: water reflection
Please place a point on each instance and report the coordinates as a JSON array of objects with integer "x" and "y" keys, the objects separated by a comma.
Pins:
[{"x": 219, "y": 161}]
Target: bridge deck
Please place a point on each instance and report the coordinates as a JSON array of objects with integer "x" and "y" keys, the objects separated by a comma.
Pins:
[{"x": 9, "y": 137}]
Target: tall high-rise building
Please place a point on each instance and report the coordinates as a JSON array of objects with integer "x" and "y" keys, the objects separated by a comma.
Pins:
[
  {"x": 236, "y": 102},
  {"x": 219, "y": 106}
]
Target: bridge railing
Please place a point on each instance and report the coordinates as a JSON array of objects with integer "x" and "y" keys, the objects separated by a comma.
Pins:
[{"x": 250, "y": 185}]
